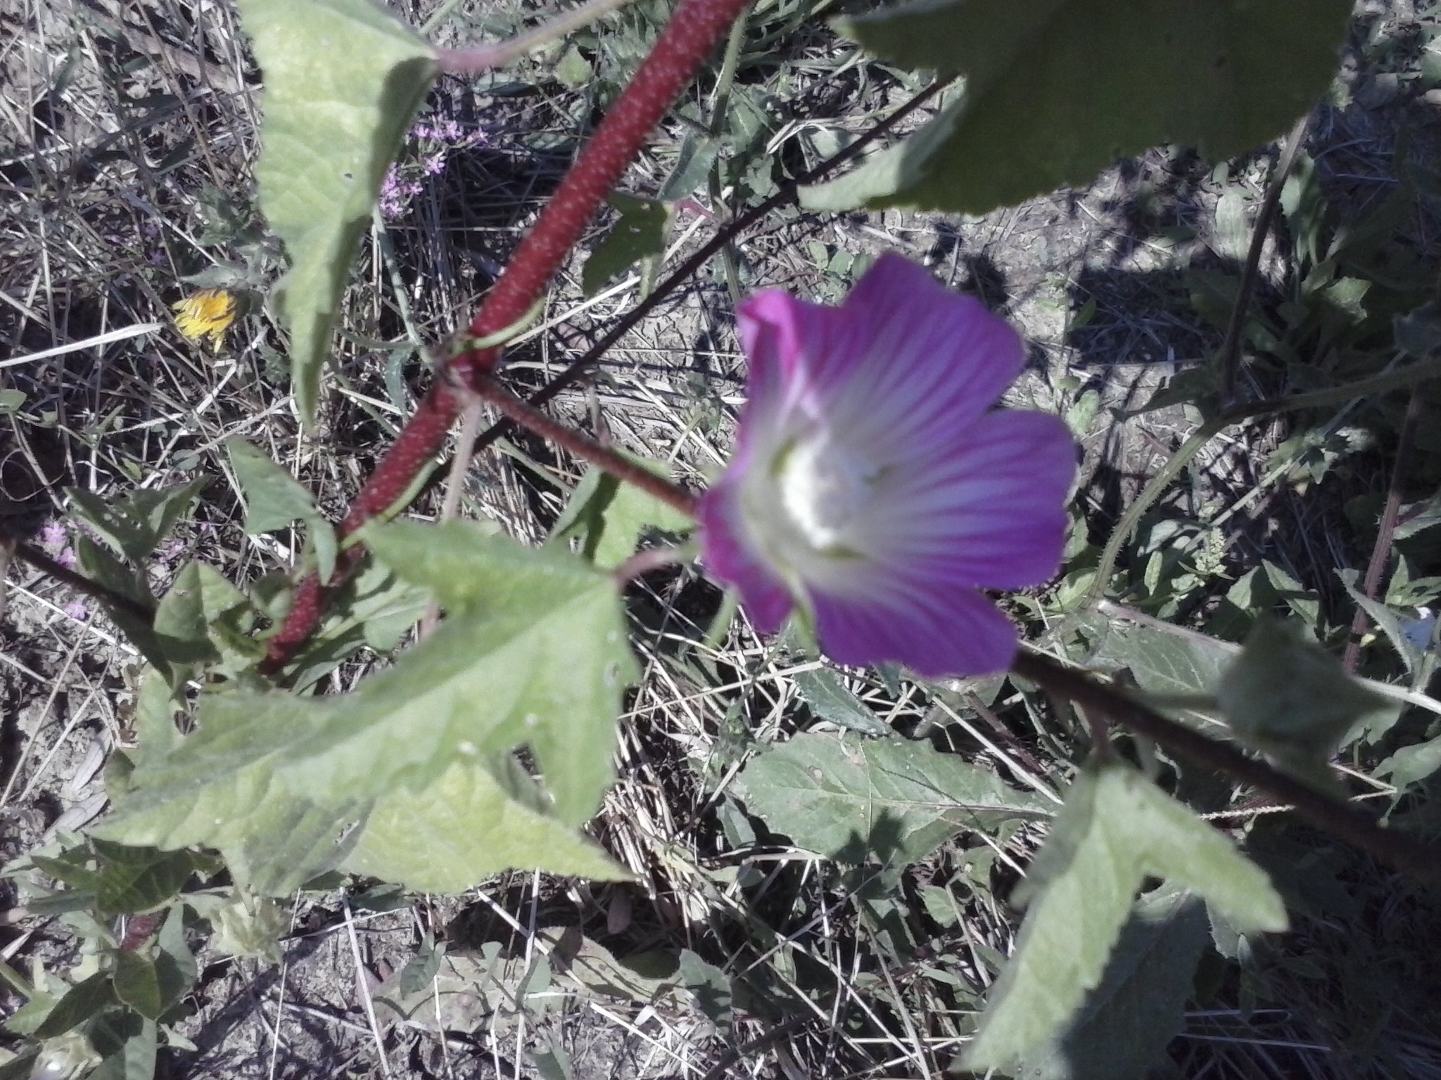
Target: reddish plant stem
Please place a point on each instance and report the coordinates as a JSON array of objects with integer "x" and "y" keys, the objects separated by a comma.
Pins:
[
  {"x": 582, "y": 446},
  {"x": 786, "y": 193},
  {"x": 1406, "y": 852},
  {"x": 1381, "y": 551},
  {"x": 687, "y": 40}
]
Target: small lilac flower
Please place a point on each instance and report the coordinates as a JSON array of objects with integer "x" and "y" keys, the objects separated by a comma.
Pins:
[
  {"x": 78, "y": 610},
  {"x": 170, "y": 551},
  {"x": 55, "y": 542},
  {"x": 872, "y": 484},
  {"x": 433, "y": 165},
  {"x": 54, "y": 536}
]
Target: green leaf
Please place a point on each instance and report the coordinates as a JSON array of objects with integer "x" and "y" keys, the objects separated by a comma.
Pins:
[
  {"x": 27, "y": 1019},
  {"x": 631, "y": 514},
  {"x": 134, "y": 524},
  {"x": 1417, "y": 517},
  {"x": 132, "y": 1045},
  {"x": 77, "y": 1005},
  {"x": 890, "y": 799},
  {"x": 137, "y": 984},
  {"x": 643, "y": 978},
  {"x": 1290, "y": 697},
  {"x": 1161, "y": 662},
  {"x": 1385, "y": 619},
  {"x": 1418, "y": 332},
  {"x": 273, "y": 840},
  {"x": 342, "y": 80},
  {"x": 693, "y": 164},
  {"x": 26, "y": 1065},
  {"x": 1412, "y": 763},
  {"x": 373, "y": 609},
  {"x": 1126, "y": 1022},
  {"x": 175, "y": 965},
  {"x": 611, "y": 516},
  {"x": 1116, "y": 829},
  {"x": 708, "y": 985},
  {"x": 639, "y": 234},
  {"x": 826, "y": 694},
  {"x": 573, "y": 70},
  {"x": 134, "y": 880},
  {"x": 533, "y": 653},
  {"x": 465, "y": 826},
  {"x": 247, "y": 927},
  {"x": 204, "y": 619},
  {"x": 273, "y": 498},
  {"x": 1040, "y": 109},
  {"x": 420, "y": 970}
]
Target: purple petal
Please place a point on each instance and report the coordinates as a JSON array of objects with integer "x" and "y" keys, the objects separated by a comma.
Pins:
[
  {"x": 952, "y": 632},
  {"x": 988, "y": 511},
  {"x": 730, "y": 558},
  {"x": 902, "y": 354}
]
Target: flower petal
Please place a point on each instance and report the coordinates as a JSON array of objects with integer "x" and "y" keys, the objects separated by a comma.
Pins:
[
  {"x": 988, "y": 511},
  {"x": 729, "y": 556},
  {"x": 936, "y": 359},
  {"x": 903, "y": 353},
  {"x": 952, "y": 632}
]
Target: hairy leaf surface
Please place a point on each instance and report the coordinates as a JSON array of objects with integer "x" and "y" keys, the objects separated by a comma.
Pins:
[
  {"x": 890, "y": 799},
  {"x": 532, "y": 653},
  {"x": 1116, "y": 829},
  {"x": 1056, "y": 90},
  {"x": 342, "y": 80}
]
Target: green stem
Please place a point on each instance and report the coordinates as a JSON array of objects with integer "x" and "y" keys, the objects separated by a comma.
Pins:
[{"x": 1376, "y": 384}]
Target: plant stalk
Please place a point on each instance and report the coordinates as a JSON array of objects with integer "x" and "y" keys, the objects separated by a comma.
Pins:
[
  {"x": 689, "y": 37},
  {"x": 582, "y": 446},
  {"x": 1404, "y": 852}
]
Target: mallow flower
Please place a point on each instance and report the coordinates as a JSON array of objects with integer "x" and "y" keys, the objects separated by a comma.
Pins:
[{"x": 873, "y": 484}]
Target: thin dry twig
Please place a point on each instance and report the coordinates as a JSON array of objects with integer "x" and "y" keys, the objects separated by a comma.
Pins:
[{"x": 787, "y": 193}]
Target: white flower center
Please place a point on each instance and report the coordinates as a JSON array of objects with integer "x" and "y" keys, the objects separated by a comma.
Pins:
[{"x": 824, "y": 488}]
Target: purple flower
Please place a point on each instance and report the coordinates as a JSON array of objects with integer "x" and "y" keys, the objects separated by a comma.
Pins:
[
  {"x": 55, "y": 542},
  {"x": 433, "y": 165},
  {"x": 396, "y": 193},
  {"x": 78, "y": 610},
  {"x": 170, "y": 551},
  {"x": 872, "y": 484},
  {"x": 54, "y": 536}
]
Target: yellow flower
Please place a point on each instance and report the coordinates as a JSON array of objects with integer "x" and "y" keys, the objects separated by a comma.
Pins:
[{"x": 206, "y": 314}]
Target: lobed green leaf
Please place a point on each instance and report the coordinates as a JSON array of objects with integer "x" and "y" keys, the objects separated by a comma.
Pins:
[
  {"x": 342, "y": 80},
  {"x": 469, "y": 823},
  {"x": 888, "y": 799},
  {"x": 1115, "y": 830},
  {"x": 533, "y": 653}
]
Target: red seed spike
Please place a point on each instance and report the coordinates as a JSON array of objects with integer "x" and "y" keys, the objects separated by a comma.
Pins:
[{"x": 690, "y": 36}]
